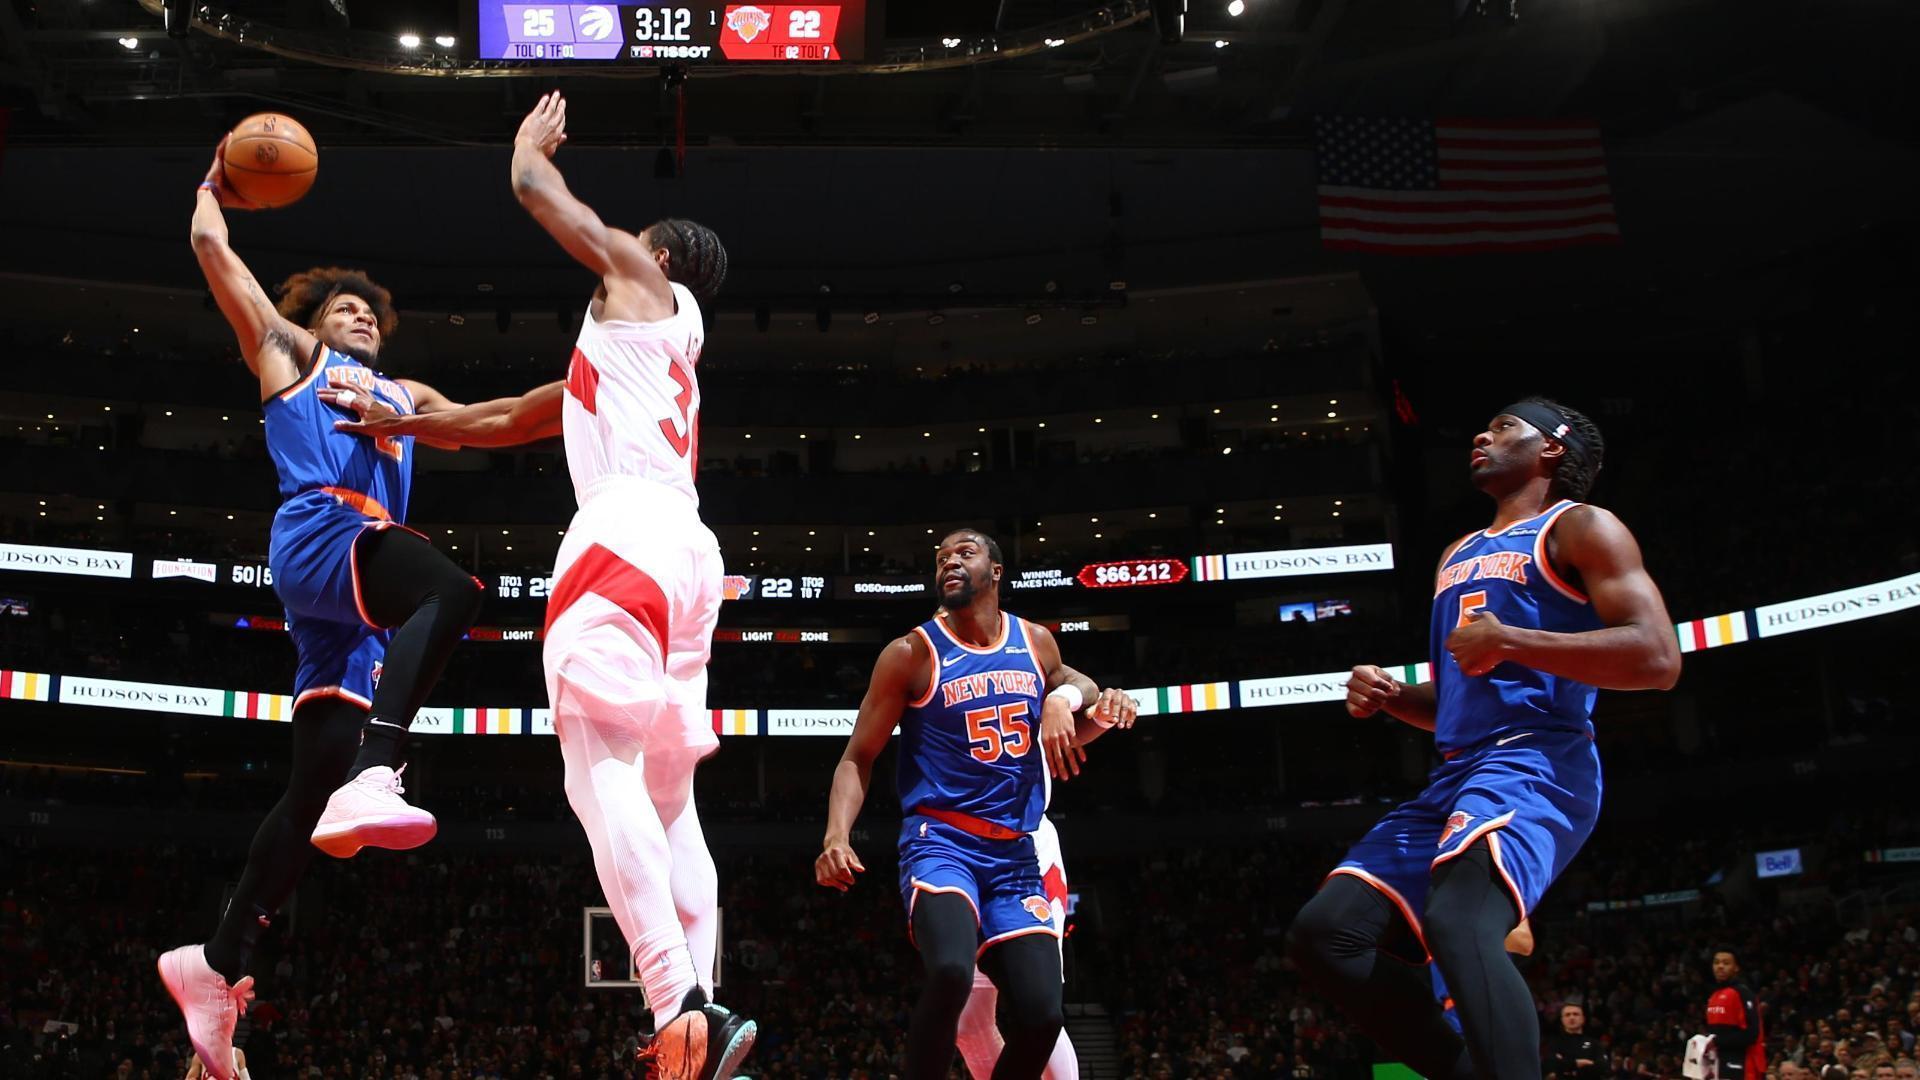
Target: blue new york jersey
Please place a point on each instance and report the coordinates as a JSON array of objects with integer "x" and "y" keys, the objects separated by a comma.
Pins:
[
  {"x": 333, "y": 487},
  {"x": 970, "y": 745},
  {"x": 1508, "y": 574},
  {"x": 311, "y": 456}
]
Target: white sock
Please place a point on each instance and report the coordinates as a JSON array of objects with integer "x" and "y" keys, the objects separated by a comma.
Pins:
[{"x": 694, "y": 882}]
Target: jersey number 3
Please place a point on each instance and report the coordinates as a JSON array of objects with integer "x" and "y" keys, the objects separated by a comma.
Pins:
[
  {"x": 685, "y": 442},
  {"x": 1012, "y": 736}
]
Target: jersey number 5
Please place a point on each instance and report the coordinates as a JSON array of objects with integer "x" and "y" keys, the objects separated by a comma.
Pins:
[
  {"x": 686, "y": 442},
  {"x": 1011, "y": 737},
  {"x": 1470, "y": 603}
]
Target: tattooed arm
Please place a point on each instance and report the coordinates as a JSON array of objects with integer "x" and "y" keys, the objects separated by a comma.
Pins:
[{"x": 273, "y": 348}]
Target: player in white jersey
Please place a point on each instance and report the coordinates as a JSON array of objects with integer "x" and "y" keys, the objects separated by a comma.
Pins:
[
  {"x": 979, "y": 1038},
  {"x": 636, "y": 589}
]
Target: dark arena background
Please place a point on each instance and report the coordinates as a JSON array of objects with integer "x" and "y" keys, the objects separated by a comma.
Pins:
[{"x": 1196, "y": 308}]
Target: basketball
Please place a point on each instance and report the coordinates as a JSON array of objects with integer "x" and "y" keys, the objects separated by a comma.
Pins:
[{"x": 271, "y": 160}]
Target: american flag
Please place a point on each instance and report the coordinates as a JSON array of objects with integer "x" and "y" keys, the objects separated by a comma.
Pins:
[{"x": 1453, "y": 187}]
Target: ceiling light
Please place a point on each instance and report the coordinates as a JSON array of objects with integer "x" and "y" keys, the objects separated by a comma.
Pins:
[
  {"x": 869, "y": 532},
  {"x": 106, "y": 408},
  {"x": 950, "y": 42},
  {"x": 445, "y": 41},
  {"x": 1220, "y": 521},
  {"x": 1336, "y": 513},
  {"x": 926, "y": 434},
  {"x": 1216, "y": 412},
  {"x": 810, "y": 532},
  {"x": 1154, "y": 416},
  {"x": 803, "y": 434},
  {"x": 169, "y": 412},
  {"x": 1154, "y": 515},
  {"x": 1054, "y": 42},
  {"x": 129, "y": 43},
  {"x": 1331, "y": 415},
  {"x": 1338, "y": 502},
  {"x": 409, "y": 41},
  {"x": 1097, "y": 420},
  {"x": 857, "y": 438},
  {"x": 1333, "y": 401},
  {"x": 1237, "y": 8},
  {"x": 1043, "y": 539},
  {"x": 1226, "y": 450},
  {"x": 1219, "y": 44},
  {"x": 1043, "y": 423}
]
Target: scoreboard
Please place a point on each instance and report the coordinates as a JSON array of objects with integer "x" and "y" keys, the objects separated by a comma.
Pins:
[{"x": 686, "y": 33}]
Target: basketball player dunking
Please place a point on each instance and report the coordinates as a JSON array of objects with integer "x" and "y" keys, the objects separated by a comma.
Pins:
[
  {"x": 359, "y": 588},
  {"x": 636, "y": 588},
  {"x": 963, "y": 688},
  {"x": 1529, "y": 616}
]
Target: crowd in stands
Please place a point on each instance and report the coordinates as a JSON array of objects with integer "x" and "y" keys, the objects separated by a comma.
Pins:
[{"x": 446, "y": 964}]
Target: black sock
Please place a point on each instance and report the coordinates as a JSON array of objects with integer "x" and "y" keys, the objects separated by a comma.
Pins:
[
  {"x": 324, "y": 733},
  {"x": 946, "y": 934},
  {"x": 1336, "y": 942},
  {"x": 1469, "y": 914},
  {"x": 380, "y": 744},
  {"x": 406, "y": 583}
]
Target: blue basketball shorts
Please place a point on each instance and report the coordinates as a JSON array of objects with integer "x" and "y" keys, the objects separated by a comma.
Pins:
[
  {"x": 1533, "y": 796},
  {"x": 1001, "y": 879}
]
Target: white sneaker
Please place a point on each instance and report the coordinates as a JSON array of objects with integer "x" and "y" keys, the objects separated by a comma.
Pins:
[
  {"x": 210, "y": 1006},
  {"x": 368, "y": 811}
]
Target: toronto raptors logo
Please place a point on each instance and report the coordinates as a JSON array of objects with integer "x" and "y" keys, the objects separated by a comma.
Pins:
[
  {"x": 1038, "y": 907},
  {"x": 749, "y": 22},
  {"x": 1455, "y": 822}
]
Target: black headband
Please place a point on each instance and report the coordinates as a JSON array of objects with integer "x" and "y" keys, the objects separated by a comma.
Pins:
[{"x": 1550, "y": 422}]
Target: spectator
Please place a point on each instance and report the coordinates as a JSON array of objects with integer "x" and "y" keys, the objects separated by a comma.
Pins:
[
  {"x": 1572, "y": 1054},
  {"x": 1734, "y": 1021}
]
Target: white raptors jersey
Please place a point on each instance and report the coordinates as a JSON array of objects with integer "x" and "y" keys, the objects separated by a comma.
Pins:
[{"x": 633, "y": 400}]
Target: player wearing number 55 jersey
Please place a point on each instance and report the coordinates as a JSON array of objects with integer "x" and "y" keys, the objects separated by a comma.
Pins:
[
  {"x": 636, "y": 589},
  {"x": 1530, "y": 617},
  {"x": 987, "y": 713}
]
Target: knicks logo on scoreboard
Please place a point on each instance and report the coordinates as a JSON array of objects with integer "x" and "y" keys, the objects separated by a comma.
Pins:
[
  {"x": 736, "y": 587},
  {"x": 1038, "y": 907},
  {"x": 1455, "y": 822},
  {"x": 749, "y": 22}
]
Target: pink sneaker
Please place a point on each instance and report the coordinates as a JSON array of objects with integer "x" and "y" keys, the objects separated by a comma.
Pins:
[
  {"x": 210, "y": 1006},
  {"x": 368, "y": 811}
]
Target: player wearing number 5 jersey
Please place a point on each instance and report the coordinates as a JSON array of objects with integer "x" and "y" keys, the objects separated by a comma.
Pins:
[
  {"x": 1530, "y": 617},
  {"x": 636, "y": 589},
  {"x": 987, "y": 714}
]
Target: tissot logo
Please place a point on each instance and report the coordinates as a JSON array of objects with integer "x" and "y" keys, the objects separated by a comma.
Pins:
[{"x": 55, "y": 560}]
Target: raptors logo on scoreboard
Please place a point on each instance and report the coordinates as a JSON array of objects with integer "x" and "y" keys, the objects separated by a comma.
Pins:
[{"x": 749, "y": 22}]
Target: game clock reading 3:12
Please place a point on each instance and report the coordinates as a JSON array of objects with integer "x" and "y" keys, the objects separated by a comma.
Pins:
[{"x": 712, "y": 33}]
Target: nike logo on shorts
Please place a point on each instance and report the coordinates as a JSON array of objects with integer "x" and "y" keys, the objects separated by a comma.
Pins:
[{"x": 1511, "y": 738}]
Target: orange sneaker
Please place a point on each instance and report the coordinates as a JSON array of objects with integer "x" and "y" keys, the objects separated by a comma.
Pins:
[{"x": 705, "y": 1042}]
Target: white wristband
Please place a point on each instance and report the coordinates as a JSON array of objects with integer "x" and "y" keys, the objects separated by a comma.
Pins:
[{"x": 1070, "y": 694}]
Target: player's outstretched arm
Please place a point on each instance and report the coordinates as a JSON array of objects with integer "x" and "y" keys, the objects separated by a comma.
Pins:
[
  {"x": 538, "y": 185},
  {"x": 898, "y": 676},
  {"x": 1634, "y": 650},
  {"x": 530, "y": 417},
  {"x": 271, "y": 346}
]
